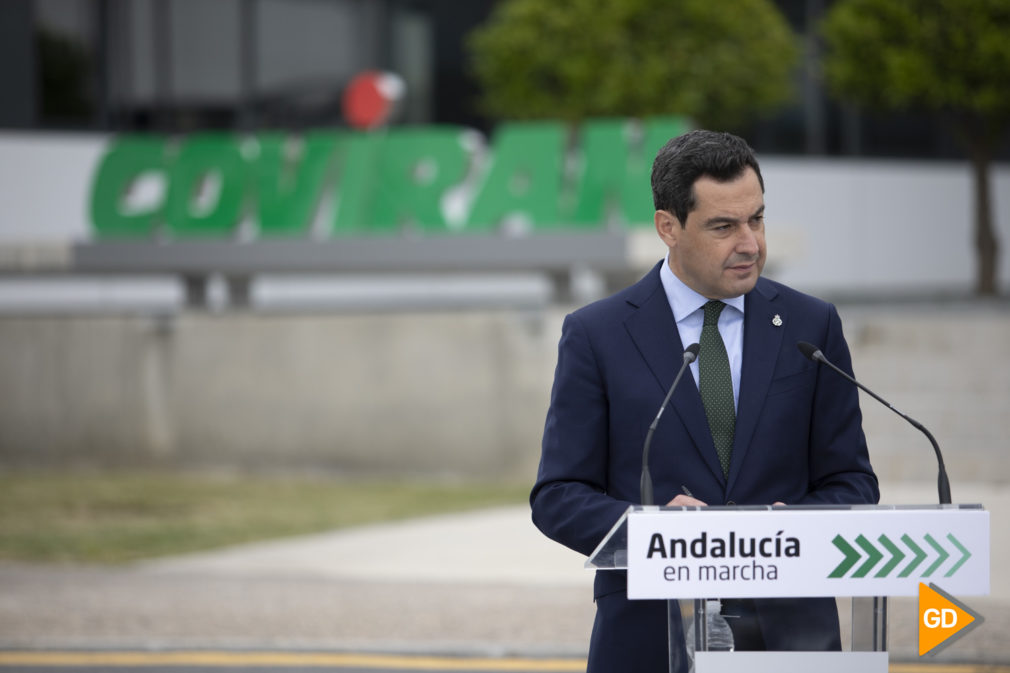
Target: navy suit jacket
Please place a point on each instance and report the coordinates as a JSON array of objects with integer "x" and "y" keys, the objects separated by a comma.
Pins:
[{"x": 798, "y": 438}]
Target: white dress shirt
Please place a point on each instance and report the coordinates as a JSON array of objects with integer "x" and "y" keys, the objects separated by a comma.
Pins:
[{"x": 690, "y": 316}]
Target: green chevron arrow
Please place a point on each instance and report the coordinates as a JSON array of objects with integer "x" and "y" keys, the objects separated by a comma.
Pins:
[
  {"x": 965, "y": 554},
  {"x": 920, "y": 556},
  {"x": 851, "y": 556},
  {"x": 943, "y": 555},
  {"x": 896, "y": 556},
  {"x": 873, "y": 556}
]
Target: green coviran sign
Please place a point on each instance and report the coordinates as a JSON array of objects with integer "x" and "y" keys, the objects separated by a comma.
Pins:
[{"x": 423, "y": 179}]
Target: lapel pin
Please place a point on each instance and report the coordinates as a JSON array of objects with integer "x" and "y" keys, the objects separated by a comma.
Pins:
[{"x": 777, "y": 320}]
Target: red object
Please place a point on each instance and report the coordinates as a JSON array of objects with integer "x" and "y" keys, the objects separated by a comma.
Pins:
[{"x": 369, "y": 98}]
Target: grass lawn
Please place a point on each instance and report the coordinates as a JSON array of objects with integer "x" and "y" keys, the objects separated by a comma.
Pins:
[{"x": 113, "y": 517}]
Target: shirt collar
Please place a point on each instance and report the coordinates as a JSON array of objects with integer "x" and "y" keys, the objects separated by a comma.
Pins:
[{"x": 683, "y": 300}]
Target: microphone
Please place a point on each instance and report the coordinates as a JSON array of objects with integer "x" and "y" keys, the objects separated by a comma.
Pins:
[
  {"x": 690, "y": 354},
  {"x": 812, "y": 352}
]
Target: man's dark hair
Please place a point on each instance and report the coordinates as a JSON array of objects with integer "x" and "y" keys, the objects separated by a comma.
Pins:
[{"x": 684, "y": 159}]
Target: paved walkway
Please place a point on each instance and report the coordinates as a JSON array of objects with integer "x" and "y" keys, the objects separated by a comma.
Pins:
[{"x": 481, "y": 583}]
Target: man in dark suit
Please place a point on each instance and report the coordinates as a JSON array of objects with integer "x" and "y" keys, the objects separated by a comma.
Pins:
[{"x": 759, "y": 424}]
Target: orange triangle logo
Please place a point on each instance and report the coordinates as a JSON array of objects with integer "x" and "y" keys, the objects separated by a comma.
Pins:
[{"x": 941, "y": 618}]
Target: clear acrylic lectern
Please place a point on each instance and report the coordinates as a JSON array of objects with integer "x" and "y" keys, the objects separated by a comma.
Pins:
[{"x": 863, "y": 618}]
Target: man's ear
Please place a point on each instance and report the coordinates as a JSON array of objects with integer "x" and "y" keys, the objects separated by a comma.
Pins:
[{"x": 667, "y": 226}]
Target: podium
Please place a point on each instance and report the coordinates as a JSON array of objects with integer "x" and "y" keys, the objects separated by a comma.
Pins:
[{"x": 864, "y": 553}]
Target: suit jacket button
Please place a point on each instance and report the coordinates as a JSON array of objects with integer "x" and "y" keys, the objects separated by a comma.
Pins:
[{"x": 730, "y": 502}]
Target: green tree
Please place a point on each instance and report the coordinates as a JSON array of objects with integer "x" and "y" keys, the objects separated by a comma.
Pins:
[
  {"x": 720, "y": 64},
  {"x": 949, "y": 56}
]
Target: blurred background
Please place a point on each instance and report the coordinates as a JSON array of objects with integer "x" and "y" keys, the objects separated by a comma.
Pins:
[{"x": 338, "y": 236}]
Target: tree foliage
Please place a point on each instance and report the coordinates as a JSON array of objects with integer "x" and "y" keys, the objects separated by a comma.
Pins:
[
  {"x": 718, "y": 64},
  {"x": 949, "y": 56}
]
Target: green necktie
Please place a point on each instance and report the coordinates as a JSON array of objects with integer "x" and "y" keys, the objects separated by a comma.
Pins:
[{"x": 716, "y": 385}]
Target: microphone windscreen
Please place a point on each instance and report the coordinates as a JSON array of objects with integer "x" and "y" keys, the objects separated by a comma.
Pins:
[
  {"x": 809, "y": 351},
  {"x": 693, "y": 350}
]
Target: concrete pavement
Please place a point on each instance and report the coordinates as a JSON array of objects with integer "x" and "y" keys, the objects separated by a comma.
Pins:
[{"x": 483, "y": 583}]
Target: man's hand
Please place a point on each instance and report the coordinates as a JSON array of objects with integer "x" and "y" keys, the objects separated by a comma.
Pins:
[{"x": 686, "y": 501}]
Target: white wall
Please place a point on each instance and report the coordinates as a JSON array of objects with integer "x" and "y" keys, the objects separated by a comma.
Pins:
[
  {"x": 860, "y": 225},
  {"x": 45, "y": 183},
  {"x": 833, "y": 224}
]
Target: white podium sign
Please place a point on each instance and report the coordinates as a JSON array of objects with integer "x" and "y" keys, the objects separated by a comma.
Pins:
[{"x": 784, "y": 552}]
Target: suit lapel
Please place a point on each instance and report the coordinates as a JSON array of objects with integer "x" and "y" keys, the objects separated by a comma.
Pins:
[
  {"x": 762, "y": 340},
  {"x": 654, "y": 332}
]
